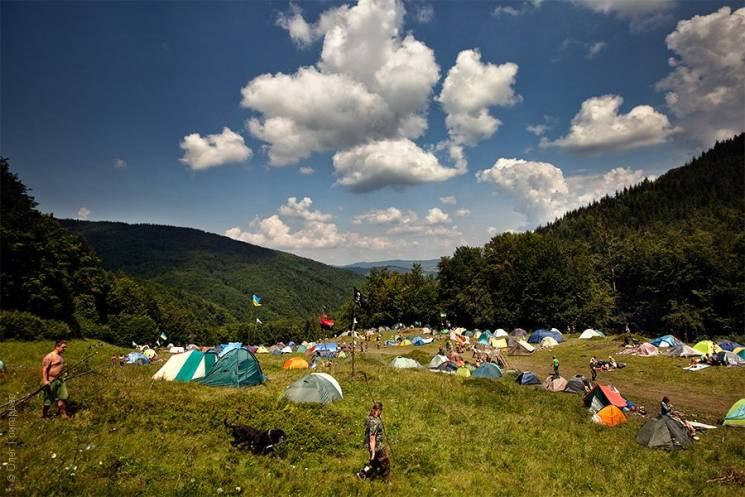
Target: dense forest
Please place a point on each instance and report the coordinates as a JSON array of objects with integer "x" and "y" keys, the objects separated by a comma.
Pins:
[
  {"x": 54, "y": 284},
  {"x": 662, "y": 256}
]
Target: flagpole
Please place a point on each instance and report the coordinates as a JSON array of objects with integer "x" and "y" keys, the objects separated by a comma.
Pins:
[{"x": 354, "y": 338}]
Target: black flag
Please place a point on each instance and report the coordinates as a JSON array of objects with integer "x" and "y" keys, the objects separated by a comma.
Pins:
[{"x": 358, "y": 298}]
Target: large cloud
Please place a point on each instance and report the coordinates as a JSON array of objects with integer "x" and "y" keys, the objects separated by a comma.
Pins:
[
  {"x": 371, "y": 83},
  {"x": 214, "y": 150},
  {"x": 706, "y": 88},
  {"x": 469, "y": 89},
  {"x": 598, "y": 127},
  {"x": 543, "y": 193},
  {"x": 398, "y": 222},
  {"x": 395, "y": 163}
]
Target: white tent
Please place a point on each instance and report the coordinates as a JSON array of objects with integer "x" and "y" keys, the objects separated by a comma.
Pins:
[
  {"x": 501, "y": 333},
  {"x": 549, "y": 342},
  {"x": 287, "y": 350},
  {"x": 590, "y": 333},
  {"x": 186, "y": 366},
  {"x": 436, "y": 361}
]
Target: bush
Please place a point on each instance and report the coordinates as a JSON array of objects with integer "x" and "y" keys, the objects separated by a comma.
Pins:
[{"x": 26, "y": 326}]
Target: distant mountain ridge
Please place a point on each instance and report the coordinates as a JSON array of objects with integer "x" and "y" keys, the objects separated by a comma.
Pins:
[
  {"x": 429, "y": 266},
  {"x": 219, "y": 269}
]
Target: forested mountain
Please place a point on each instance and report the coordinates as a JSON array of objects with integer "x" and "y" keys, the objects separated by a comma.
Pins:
[
  {"x": 663, "y": 256},
  {"x": 218, "y": 269},
  {"x": 397, "y": 266}
]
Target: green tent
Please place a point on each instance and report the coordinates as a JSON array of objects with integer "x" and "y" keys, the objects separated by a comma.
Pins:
[
  {"x": 302, "y": 349},
  {"x": 237, "y": 368},
  {"x": 663, "y": 432},
  {"x": 463, "y": 371},
  {"x": 736, "y": 414},
  {"x": 316, "y": 388},
  {"x": 404, "y": 363}
]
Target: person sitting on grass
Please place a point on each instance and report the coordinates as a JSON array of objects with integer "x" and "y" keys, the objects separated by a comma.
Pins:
[{"x": 667, "y": 409}]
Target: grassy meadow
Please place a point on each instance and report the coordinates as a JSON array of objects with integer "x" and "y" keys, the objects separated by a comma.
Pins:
[{"x": 451, "y": 436}]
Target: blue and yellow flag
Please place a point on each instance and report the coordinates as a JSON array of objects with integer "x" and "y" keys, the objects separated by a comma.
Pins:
[{"x": 256, "y": 300}]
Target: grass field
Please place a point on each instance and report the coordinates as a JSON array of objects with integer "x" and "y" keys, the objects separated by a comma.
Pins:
[{"x": 450, "y": 436}]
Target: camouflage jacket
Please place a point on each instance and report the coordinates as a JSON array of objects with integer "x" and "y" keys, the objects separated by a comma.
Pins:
[{"x": 374, "y": 427}]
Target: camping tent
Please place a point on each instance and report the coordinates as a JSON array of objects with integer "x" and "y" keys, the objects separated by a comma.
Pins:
[
  {"x": 136, "y": 358},
  {"x": 487, "y": 370},
  {"x": 149, "y": 353},
  {"x": 521, "y": 347},
  {"x": 736, "y": 414},
  {"x": 326, "y": 347},
  {"x": 463, "y": 371},
  {"x": 224, "y": 348},
  {"x": 484, "y": 339},
  {"x": 404, "y": 363},
  {"x": 741, "y": 353},
  {"x": 498, "y": 343},
  {"x": 646, "y": 350},
  {"x": 237, "y": 368},
  {"x": 549, "y": 343},
  {"x": 176, "y": 350},
  {"x": 683, "y": 350},
  {"x": 609, "y": 416},
  {"x": 519, "y": 333},
  {"x": 576, "y": 385},
  {"x": 555, "y": 384},
  {"x": 187, "y": 366},
  {"x": 302, "y": 349},
  {"x": 603, "y": 395},
  {"x": 500, "y": 333},
  {"x": 316, "y": 388},
  {"x": 446, "y": 367},
  {"x": 539, "y": 335},
  {"x": 437, "y": 360},
  {"x": 665, "y": 341},
  {"x": 527, "y": 378},
  {"x": 729, "y": 358},
  {"x": 707, "y": 347},
  {"x": 342, "y": 355},
  {"x": 590, "y": 333},
  {"x": 262, "y": 350},
  {"x": 286, "y": 350},
  {"x": 663, "y": 432},
  {"x": 295, "y": 363},
  {"x": 729, "y": 345}
]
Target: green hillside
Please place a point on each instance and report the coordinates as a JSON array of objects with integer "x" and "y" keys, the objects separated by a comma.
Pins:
[{"x": 219, "y": 269}]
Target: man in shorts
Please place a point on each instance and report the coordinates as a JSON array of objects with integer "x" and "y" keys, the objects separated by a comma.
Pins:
[{"x": 53, "y": 380}]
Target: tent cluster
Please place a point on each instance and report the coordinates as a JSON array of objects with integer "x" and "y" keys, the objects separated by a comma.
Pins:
[{"x": 705, "y": 352}]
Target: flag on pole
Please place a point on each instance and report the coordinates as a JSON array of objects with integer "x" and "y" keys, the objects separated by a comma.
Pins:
[
  {"x": 163, "y": 336},
  {"x": 355, "y": 320},
  {"x": 256, "y": 300},
  {"x": 258, "y": 321},
  {"x": 359, "y": 299}
]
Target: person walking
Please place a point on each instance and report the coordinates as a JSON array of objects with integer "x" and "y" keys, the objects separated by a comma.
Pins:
[
  {"x": 593, "y": 366},
  {"x": 378, "y": 464},
  {"x": 53, "y": 380},
  {"x": 555, "y": 364}
]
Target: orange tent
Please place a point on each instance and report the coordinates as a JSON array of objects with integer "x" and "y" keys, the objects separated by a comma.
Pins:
[
  {"x": 609, "y": 416},
  {"x": 295, "y": 363}
]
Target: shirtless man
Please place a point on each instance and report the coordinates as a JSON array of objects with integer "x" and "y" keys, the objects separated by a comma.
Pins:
[{"x": 55, "y": 389}]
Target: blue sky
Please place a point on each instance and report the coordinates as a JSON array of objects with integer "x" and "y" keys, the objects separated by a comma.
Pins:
[{"x": 345, "y": 131}]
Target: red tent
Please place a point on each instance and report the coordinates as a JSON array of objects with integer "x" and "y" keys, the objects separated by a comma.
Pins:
[{"x": 606, "y": 395}]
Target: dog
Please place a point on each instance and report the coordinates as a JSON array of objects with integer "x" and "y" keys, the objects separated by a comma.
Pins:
[{"x": 261, "y": 442}]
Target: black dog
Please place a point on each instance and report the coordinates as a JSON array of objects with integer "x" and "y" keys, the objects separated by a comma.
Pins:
[{"x": 259, "y": 441}]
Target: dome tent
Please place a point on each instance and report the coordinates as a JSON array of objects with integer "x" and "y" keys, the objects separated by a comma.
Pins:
[
  {"x": 436, "y": 361},
  {"x": 590, "y": 333},
  {"x": 295, "y": 363},
  {"x": 609, "y": 416},
  {"x": 707, "y": 347},
  {"x": 237, "y": 368},
  {"x": 404, "y": 363},
  {"x": 539, "y": 335},
  {"x": 487, "y": 370},
  {"x": 136, "y": 358},
  {"x": 555, "y": 384},
  {"x": 315, "y": 388},
  {"x": 527, "y": 378},
  {"x": 665, "y": 341},
  {"x": 576, "y": 385},
  {"x": 663, "y": 432},
  {"x": 736, "y": 414}
]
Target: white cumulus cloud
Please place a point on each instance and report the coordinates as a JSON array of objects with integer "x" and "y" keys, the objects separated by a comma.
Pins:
[
  {"x": 214, "y": 150},
  {"x": 307, "y": 170},
  {"x": 642, "y": 14},
  {"x": 599, "y": 127},
  {"x": 542, "y": 192},
  {"x": 435, "y": 215},
  {"x": 391, "y": 215},
  {"x": 301, "y": 210},
  {"x": 371, "y": 83},
  {"x": 469, "y": 89},
  {"x": 463, "y": 212},
  {"x": 449, "y": 200},
  {"x": 394, "y": 163},
  {"x": 706, "y": 88}
]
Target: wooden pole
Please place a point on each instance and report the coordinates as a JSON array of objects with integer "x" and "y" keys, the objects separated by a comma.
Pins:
[{"x": 354, "y": 340}]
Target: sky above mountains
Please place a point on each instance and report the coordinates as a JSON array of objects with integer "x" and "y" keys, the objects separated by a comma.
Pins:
[{"x": 360, "y": 131}]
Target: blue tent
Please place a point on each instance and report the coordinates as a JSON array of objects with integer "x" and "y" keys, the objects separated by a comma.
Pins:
[
  {"x": 329, "y": 347},
  {"x": 417, "y": 341},
  {"x": 527, "y": 378},
  {"x": 484, "y": 339},
  {"x": 136, "y": 358},
  {"x": 729, "y": 345},
  {"x": 224, "y": 348},
  {"x": 487, "y": 370},
  {"x": 539, "y": 335},
  {"x": 668, "y": 339}
]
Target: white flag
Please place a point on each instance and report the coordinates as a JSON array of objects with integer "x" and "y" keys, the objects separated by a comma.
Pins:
[{"x": 355, "y": 320}]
